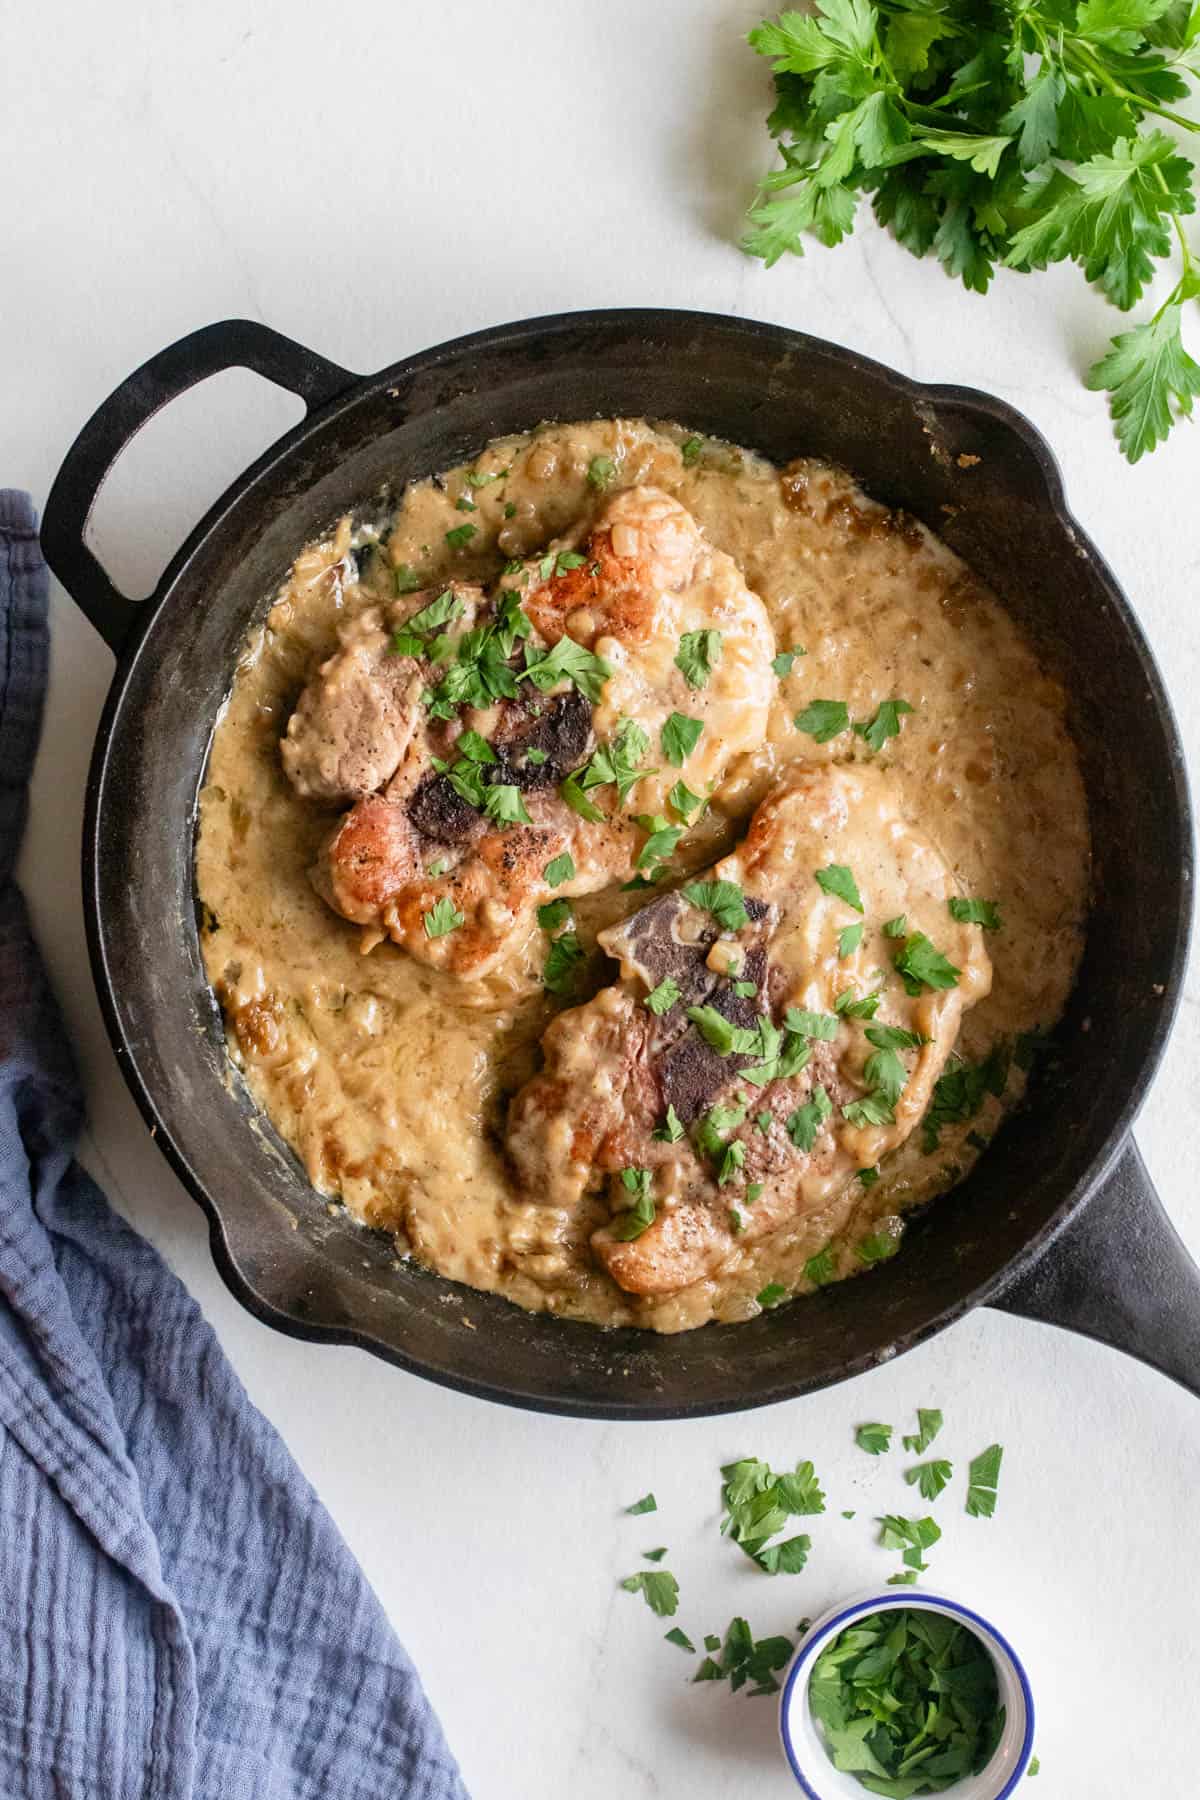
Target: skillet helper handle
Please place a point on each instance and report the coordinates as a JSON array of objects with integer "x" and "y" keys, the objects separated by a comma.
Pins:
[
  {"x": 1120, "y": 1273},
  {"x": 230, "y": 344}
]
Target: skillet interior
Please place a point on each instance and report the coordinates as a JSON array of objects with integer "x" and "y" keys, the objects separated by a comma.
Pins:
[{"x": 783, "y": 395}]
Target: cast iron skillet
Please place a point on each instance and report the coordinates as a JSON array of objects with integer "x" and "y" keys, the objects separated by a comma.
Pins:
[{"x": 1058, "y": 1221}]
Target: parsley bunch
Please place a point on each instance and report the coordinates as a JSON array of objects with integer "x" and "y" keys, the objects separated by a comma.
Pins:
[{"x": 1010, "y": 132}]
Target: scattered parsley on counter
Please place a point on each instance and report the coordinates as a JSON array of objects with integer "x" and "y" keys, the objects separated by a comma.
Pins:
[
  {"x": 758, "y": 1503},
  {"x": 929, "y": 1478},
  {"x": 655, "y": 1556},
  {"x": 659, "y": 1589},
  {"x": 929, "y": 1423},
  {"x": 824, "y": 719},
  {"x": 676, "y": 1636},
  {"x": 744, "y": 1660},
  {"x": 975, "y": 912},
  {"x": 983, "y": 1478},
  {"x": 910, "y": 1536},
  {"x": 647, "y": 1504},
  {"x": 874, "y": 1439}
]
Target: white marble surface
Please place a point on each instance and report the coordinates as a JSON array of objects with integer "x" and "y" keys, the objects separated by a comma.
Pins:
[{"x": 371, "y": 180}]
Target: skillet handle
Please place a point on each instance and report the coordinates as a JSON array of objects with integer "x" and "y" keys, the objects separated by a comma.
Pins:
[
  {"x": 1120, "y": 1273},
  {"x": 231, "y": 344}
]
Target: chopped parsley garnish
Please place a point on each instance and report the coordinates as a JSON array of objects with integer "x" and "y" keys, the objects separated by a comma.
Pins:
[
  {"x": 679, "y": 737},
  {"x": 443, "y": 917},
  {"x": 960, "y": 1093},
  {"x": 929, "y": 1423},
  {"x": 874, "y": 1439},
  {"x": 886, "y": 724},
  {"x": 559, "y": 562},
  {"x": 771, "y": 1296},
  {"x": 920, "y": 964},
  {"x": 821, "y": 1026},
  {"x": 601, "y": 470},
  {"x": 658, "y": 1588},
  {"x": 662, "y": 837},
  {"x": 561, "y": 968},
  {"x": 906, "y": 1699},
  {"x": 879, "y": 1247},
  {"x": 782, "y": 664},
  {"x": 647, "y": 1504},
  {"x": 553, "y": 914},
  {"x": 510, "y": 509},
  {"x": 804, "y": 1124},
  {"x": 852, "y": 1007},
  {"x": 745, "y": 990},
  {"x": 731, "y": 1159},
  {"x": 676, "y": 1636},
  {"x": 824, "y": 719},
  {"x": 821, "y": 1268},
  {"x": 560, "y": 869},
  {"x": 753, "y": 1192},
  {"x": 698, "y": 655},
  {"x": 578, "y": 801},
  {"x": 476, "y": 749},
  {"x": 743, "y": 1660},
  {"x": 671, "y": 1129},
  {"x": 868, "y": 1177},
  {"x": 437, "y": 868},
  {"x": 616, "y": 762},
  {"x": 536, "y": 757},
  {"x": 474, "y": 479},
  {"x": 407, "y": 580},
  {"x": 719, "y": 1119},
  {"x": 895, "y": 928},
  {"x": 461, "y": 536},
  {"x": 685, "y": 802},
  {"x": 975, "y": 912},
  {"x": 441, "y": 611},
  {"x": 781, "y": 1054},
  {"x": 462, "y": 504},
  {"x": 723, "y": 899},
  {"x": 640, "y": 1215},
  {"x": 503, "y": 803},
  {"x": 569, "y": 661},
  {"x": 983, "y": 1478},
  {"x": 690, "y": 450},
  {"x": 837, "y": 880},
  {"x": 872, "y": 1109},
  {"x": 662, "y": 998},
  {"x": 929, "y": 1478},
  {"x": 763, "y": 1121},
  {"x": 849, "y": 938}
]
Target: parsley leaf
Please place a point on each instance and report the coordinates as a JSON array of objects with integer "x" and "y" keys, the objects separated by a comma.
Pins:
[
  {"x": 617, "y": 761},
  {"x": 852, "y": 1007},
  {"x": 661, "y": 840},
  {"x": 443, "y": 917},
  {"x": 838, "y": 881},
  {"x": 886, "y": 724},
  {"x": 929, "y": 1423},
  {"x": 442, "y": 611},
  {"x": 658, "y": 1588},
  {"x": 647, "y": 1504},
  {"x": 503, "y": 803},
  {"x": 821, "y": 1268},
  {"x": 804, "y": 1124},
  {"x": 553, "y": 914},
  {"x": 1151, "y": 380},
  {"x": 881, "y": 1246},
  {"x": 461, "y": 536},
  {"x": 726, "y": 1038},
  {"x": 723, "y": 899},
  {"x": 560, "y": 869},
  {"x": 772, "y": 1296},
  {"x": 577, "y": 800},
  {"x": 921, "y": 965},
  {"x": 960, "y": 1093},
  {"x": 690, "y": 450},
  {"x": 684, "y": 801},
  {"x": 569, "y": 661},
  {"x": 561, "y": 968},
  {"x": 983, "y": 1478},
  {"x": 662, "y": 998},
  {"x": 895, "y": 928},
  {"x": 821, "y": 1026},
  {"x": 874, "y": 1439},
  {"x": 698, "y": 655},
  {"x": 638, "y": 1217},
  {"x": 849, "y": 938},
  {"x": 679, "y": 737},
  {"x": 929, "y": 1478},
  {"x": 676, "y": 1636},
  {"x": 975, "y": 912},
  {"x": 782, "y": 664},
  {"x": 671, "y": 1129},
  {"x": 824, "y": 719}
]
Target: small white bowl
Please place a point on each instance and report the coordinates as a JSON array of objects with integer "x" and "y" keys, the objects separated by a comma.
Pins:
[{"x": 804, "y": 1746}]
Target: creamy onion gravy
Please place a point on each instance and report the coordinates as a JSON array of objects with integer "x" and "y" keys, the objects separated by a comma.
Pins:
[{"x": 391, "y": 1079}]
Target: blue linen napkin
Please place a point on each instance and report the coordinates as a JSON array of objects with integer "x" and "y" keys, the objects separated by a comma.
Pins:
[{"x": 179, "y": 1617}]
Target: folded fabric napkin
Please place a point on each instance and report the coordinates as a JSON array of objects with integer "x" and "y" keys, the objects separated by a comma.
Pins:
[{"x": 179, "y": 1617}]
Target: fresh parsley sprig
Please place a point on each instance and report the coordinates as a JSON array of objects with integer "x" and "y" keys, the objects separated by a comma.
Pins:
[{"x": 1001, "y": 132}]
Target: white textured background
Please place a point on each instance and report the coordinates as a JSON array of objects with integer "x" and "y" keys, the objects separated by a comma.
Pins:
[{"x": 373, "y": 179}]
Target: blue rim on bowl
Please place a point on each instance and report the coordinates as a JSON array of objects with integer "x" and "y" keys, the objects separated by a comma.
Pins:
[{"x": 1011, "y": 1759}]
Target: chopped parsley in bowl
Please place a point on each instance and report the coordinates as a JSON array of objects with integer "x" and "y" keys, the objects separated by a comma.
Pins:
[{"x": 904, "y": 1695}]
